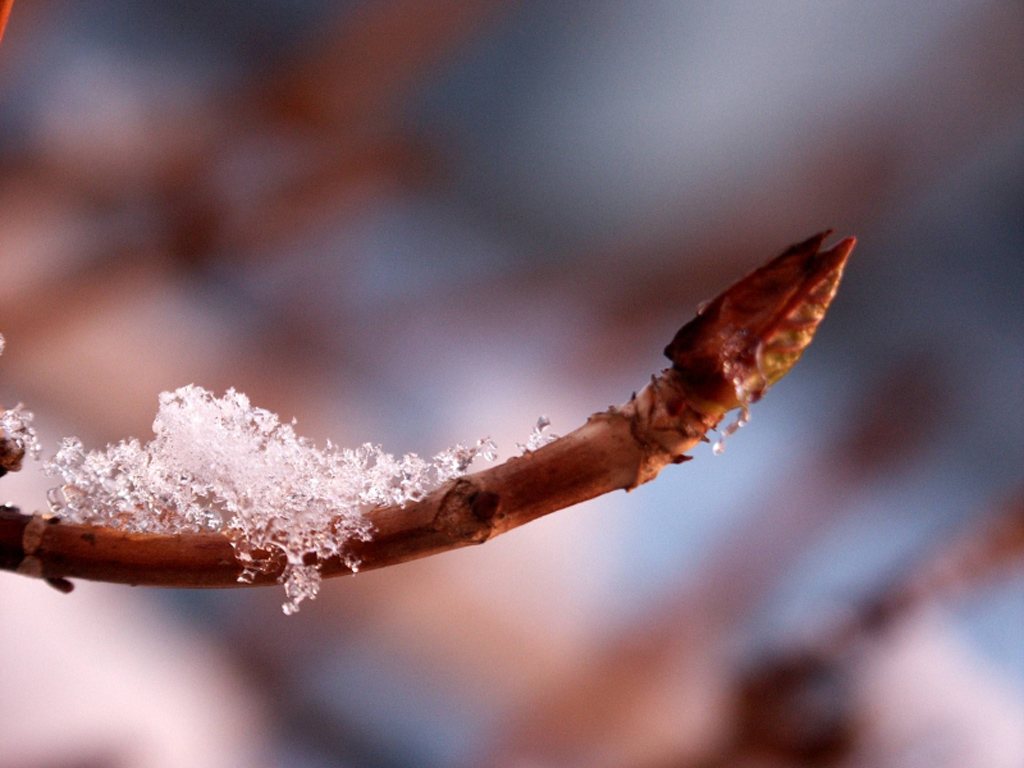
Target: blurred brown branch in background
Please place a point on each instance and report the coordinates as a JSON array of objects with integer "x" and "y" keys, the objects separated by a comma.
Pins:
[
  {"x": 339, "y": 116},
  {"x": 5, "y": 13},
  {"x": 800, "y": 707}
]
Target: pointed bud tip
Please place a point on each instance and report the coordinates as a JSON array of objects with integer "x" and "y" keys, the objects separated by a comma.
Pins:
[
  {"x": 754, "y": 332},
  {"x": 836, "y": 256}
]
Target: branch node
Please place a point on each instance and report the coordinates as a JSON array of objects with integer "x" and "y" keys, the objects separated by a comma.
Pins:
[
  {"x": 31, "y": 541},
  {"x": 467, "y": 512},
  {"x": 32, "y": 537}
]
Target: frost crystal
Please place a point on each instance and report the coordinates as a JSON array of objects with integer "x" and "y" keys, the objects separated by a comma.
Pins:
[
  {"x": 746, "y": 395},
  {"x": 741, "y": 421},
  {"x": 219, "y": 464},
  {"x": 16, "y": 425},
  {"x": 537, "y": 438}
]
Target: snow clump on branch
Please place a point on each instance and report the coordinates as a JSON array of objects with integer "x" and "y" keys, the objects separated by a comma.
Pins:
[{"x": 220, "y": 464}]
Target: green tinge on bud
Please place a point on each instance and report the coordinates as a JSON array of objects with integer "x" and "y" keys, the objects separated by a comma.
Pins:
[{"x": 752, "y": 334}]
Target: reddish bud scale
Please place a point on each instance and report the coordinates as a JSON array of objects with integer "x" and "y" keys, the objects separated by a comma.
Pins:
[{"x": 752, "y": 334}]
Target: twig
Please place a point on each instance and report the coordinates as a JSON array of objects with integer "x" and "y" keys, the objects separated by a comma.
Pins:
[
  {"x": 727, "y": 357},
  {"x": 5, "y": 12}
]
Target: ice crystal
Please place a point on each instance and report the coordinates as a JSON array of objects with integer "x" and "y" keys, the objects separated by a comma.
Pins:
[
  {"x": 538, "y": 439},
  {"x": 741, "y": 421},
  {"x": 748, "y": 389},
  {"x": 220, "y": 464},
  {"x": 16, "y": 425}
]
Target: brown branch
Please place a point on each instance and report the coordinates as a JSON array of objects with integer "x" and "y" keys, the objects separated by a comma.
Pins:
[
  {"x": 737, "y": 347},
  {"x": 5, "y": 12}
]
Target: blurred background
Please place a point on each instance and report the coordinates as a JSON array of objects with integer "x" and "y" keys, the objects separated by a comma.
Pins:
[{"x": 417, "y": 223}]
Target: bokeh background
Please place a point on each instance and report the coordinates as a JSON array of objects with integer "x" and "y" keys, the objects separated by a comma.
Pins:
[{"x": 420, "y": 222}]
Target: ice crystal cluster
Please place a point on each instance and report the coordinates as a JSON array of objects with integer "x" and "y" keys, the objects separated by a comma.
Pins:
[
  {"x": 16, "y": 424},
  {"x": 538, "y": 438},
  {"x": 220, "y": 464}
]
